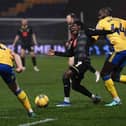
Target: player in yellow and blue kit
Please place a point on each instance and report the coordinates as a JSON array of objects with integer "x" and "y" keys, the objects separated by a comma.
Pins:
[
  {"x": 117, "y": 60},
  {"x": 7, "y": 59}
]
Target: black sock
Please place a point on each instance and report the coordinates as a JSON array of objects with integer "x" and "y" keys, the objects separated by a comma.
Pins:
[
  {"x": 66, "y": 82},
  {"x": 23, "y": 61},
  {"x": 34, "y": 61},
  {"x": 76, "y": 86}
]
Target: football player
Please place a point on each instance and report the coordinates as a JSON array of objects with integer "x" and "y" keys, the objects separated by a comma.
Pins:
[
  {"x": 7, "y": 58},
  {"x": 70, "y": 19},
  {"x": 28, "y": 40},
  {"x": 117, "y": 60},
  {"x": 79, "y": 48}
]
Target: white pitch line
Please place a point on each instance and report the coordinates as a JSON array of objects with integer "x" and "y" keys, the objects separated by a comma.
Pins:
[
  {"x": 38, "y": 122},
  {"x": 7, "y": 117}
]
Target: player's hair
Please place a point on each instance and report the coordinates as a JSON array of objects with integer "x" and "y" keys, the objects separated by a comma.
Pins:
[
  {"x": 79, "y": 23},
  {"x": 107, "y": 10},
  {"x": 73, "y": 15}
]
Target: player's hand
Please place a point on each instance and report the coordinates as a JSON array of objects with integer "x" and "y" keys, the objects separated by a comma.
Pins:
[
  {"x": 19, "y": 69},
  {"x": 13, "y": 45},
  {"x": 97, "y": 74},
  {"x": 51, "y": 52}
]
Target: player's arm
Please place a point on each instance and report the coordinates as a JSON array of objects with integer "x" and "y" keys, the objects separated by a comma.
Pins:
[
  {"x": 19, "y": 66},
  {"x": 67, "y": 53},
  {"x": 15, "y": 40},
  {"x": 51, "y": 52},
  {"x": 96, "y": 72},
  {"x": 99, "y": 26},
  {"x": 94, "y": 32},
  {"x": 34, "y": 38}
]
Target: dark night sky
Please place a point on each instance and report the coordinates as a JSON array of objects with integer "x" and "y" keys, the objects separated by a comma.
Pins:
[{"x": 91, "y": 7}]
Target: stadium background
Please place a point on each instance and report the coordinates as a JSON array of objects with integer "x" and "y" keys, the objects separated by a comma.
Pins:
[
  {"x": 47, "y": 18},
  {"x": 48, "y": 80}
]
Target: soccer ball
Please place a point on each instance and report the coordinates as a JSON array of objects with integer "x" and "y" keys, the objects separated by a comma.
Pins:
[{"x": 41, "y": 100}]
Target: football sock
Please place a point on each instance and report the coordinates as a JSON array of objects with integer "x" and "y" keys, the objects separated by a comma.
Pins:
[
  {"x": 93, "y": 96},
  {"x": 66, "y": 82},
  {"x": 23, "y": 61},
  {"x": 66, "y": 99},
  {"x": 111, "y": 88},
  {"x": 117, "y": 99},
  {"x": 34, "y": 61},
  {"x": 123, "y": 78},
  {"x": 22, "y": 96}
]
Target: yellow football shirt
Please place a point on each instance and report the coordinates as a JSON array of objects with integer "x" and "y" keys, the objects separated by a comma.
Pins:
[
  {"x": 5, "y": 55},
  {"x": 117, "y": 39}
]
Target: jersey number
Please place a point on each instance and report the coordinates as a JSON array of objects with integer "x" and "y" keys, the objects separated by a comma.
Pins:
[{"x": 120, "y": 29}]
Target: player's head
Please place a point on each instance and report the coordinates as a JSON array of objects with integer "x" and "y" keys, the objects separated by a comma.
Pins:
[
  {"x": 24, "y": 21},
  {"x": 76, "y": 27},
  {"x": 104, "y": 12},
  {"x": 70, "y": 18}
]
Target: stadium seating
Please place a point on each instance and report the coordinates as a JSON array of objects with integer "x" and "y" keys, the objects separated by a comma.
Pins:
[
  {"x": 6, "y": 3},
  {"x": 18, "y": 7}
]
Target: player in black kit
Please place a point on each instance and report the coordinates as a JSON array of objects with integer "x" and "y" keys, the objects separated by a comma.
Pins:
[
  {"x": 79, "y": 48},
  {"x": 28, "y": 40}
]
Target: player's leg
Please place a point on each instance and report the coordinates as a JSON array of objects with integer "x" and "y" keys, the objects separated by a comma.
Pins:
[
  {"x": 66, "y": 84},
  {"x": 116, "y": 74},
  {"x": 22, "y": 54},
  {"x": 93, "y": 70},
  {"x": 33, "y": 57},
  {"x": 9, "y": 77},
  {"x": 83, "y": 90},
  {"x": 107, "y": 69},
  {"x": 78, "y": 71},
  {"x": 122, "y": 78}
]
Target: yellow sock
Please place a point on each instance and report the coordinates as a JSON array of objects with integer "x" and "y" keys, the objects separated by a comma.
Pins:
[
  {"x": 111, "y": 88},
  {"x": 22, "y": 96},
  {"x": 123, "y": 78}
]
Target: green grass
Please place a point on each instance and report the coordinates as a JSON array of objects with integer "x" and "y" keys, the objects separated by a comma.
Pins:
[{"x": 49, "y": 81}]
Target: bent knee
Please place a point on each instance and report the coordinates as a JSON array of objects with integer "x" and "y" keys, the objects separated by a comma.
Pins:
[
  {"x": 105, "y": 76},
  {"x": 116, "y": 78},
  {"x": 67, "y": 74}
]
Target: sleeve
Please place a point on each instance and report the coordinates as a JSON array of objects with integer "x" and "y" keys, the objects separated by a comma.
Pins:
[
  {"x": 99, "y": 30},
  {"x": 95, "y": 37},
  {"x": 94, "y": 32},
  {"x": 31, "y": 30},
  {"x": 63, "y": 54},
  {"x": 99, "y": 26}
]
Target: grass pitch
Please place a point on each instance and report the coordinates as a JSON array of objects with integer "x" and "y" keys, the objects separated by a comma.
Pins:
[{"x": 49, "y": 81}]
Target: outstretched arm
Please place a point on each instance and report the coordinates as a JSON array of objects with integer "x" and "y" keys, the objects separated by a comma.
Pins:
[
  {"x": 19, "y": 66},
  {"x": 15, "y": 40},
  {"x": 34, "y": 38},
  {"x": 96, "y": 72},
  {"x": 93, "y": 32},
  {"x": 63, "y": 54}
]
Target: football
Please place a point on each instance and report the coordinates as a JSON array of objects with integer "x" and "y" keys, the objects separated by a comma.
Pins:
[{"x": 41, "y": 100}]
